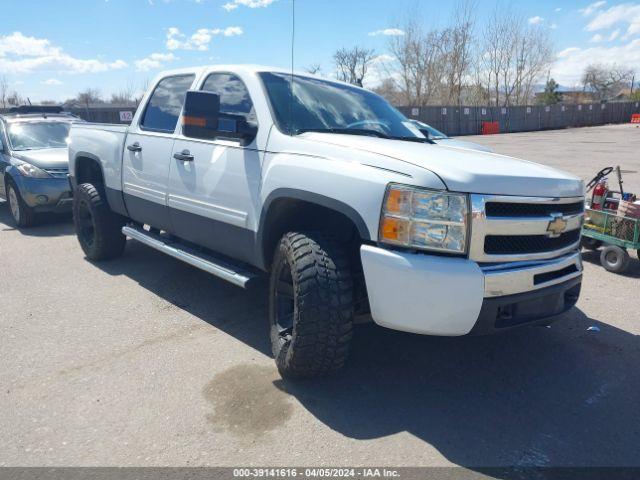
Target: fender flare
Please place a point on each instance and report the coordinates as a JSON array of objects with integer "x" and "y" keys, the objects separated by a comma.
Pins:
[
  {"x": 115, "y": 198},
  {"x": 310, "y": 197}
]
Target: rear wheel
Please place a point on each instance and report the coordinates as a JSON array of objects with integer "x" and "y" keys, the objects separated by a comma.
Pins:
[
  {"x": 22, "y": 214},
  {"x": 98, "y": 229},
  {"x": 311, "y": 305},
  {"x": 614, "y": 259}
]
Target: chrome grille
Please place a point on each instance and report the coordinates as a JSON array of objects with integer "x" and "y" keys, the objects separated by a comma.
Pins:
[
  {"x": 57, "y": 172},
  {"x": 518, "y": 244},
  {"x": 510, "y": 229},
  {"x": 506, "y": 209}
]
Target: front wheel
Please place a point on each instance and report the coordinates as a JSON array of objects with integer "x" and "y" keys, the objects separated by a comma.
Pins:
[
  {"x": 22, "y": 214},
  {"x": 311, "y": 305},
  {"x": 98, "y": 229},
  {"x": 614, "y": 259}
]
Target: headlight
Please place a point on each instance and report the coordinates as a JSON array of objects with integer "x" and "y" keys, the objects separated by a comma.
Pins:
[
  {"x": 29, "y": 170},
  {"x": 425, "y": 219}
]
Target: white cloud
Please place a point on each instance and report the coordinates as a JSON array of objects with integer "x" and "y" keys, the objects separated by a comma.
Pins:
[
  {"x": 625, "y": 13},
  {"x": 590, "y": 9},
  {"x": 390, "y": 32},
  {"x": 553, "y": 26},
  {"x": 232, "y": 5},
  {"x": 596, "y": 38},
  {"x": 199, "y": 40},
  {"x": 615, "y": 34},
  {"x": 52, "y": 81},
  {"x": 537, "y": 20},
  {"x": 571, "y": 62},
  {"x": 153, "y": 61},
  {"x": 20, "y": 54},
  {"x": 559, "y": 9}
]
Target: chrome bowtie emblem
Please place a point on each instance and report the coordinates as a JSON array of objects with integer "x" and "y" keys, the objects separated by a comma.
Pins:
[{"x": 557, "y": 225}]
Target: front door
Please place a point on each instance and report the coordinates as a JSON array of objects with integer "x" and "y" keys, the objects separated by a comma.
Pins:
[
  {"x": 214, "y": 185},
  {"x": 147, "y": 153}
]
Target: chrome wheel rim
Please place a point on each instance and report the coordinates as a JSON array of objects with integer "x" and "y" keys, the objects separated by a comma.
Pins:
[{"x": 14, "y": 205}]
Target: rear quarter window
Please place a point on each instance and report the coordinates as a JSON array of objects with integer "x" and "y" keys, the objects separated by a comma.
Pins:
[{"x": 164, "y": 106}]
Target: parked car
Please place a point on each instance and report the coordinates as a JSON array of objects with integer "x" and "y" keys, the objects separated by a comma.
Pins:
[
  {"x": 247, "y": 171},
  {"x": 441, "y": 139},
  {"x": 34, "y": 161}
]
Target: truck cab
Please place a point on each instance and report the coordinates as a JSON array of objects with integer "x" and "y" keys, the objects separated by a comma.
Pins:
[{"x": 350, "y": 210}]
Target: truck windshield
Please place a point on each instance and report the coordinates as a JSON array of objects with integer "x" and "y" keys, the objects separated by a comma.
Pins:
[
  {"x": 319, "y": 105},
  {"x": 37, "y": 135}
]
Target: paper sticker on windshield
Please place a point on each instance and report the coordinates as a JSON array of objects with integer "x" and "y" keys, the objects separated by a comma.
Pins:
[{"x": 415, "y": 130}]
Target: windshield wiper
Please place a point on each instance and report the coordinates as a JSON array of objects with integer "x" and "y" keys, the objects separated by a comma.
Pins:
[
  {"x": 346, "y": 131},
  {"x": 413, "y": 139},
  {"x": 364, "y": 132}
]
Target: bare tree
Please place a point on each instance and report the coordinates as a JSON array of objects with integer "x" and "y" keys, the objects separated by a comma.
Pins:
[
  {"x": 514, "y": 55},
  {"x": 419, "y": 60},
  {"x": 144, "y": 86},
  {"x": 389, "y": 90},
  {"x": 352, "y": 64},
  {"x": 89, "y": 96},
  {"x": 4, "y": 90},
  {"x": 313, "y": 69},
  {"x": 14, "y": 99},
  {"x": 125, "y": 96},
  {"x": 605, "y": 81},
  {"x": 457, "y": 46}
]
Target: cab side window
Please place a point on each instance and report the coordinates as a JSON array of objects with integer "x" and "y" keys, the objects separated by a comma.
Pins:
[
  {"x": 165, "y": 104},
  {"x": 234, "y": 96}
]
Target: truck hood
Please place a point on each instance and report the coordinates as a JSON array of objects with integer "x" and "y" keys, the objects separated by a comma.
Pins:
[
  {"x": 454, "y": 142},
  {"x": 44, "y": 158},
  {"x": 465, "y": 170}
]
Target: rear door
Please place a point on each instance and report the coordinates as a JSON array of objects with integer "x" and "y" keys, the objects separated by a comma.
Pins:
[
  {"x": 213, "y": 197},
  {"x": 147, "y": 153}
]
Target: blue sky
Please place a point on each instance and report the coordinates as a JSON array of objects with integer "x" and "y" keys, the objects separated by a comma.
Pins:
[{"x": 51, "y": 49}]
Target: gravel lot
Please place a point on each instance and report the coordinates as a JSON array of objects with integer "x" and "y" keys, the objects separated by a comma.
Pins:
[{"x": 146, "y": 361}]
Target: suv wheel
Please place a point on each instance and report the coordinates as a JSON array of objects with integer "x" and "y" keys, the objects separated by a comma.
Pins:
[
  {"x": 310, "y": 305},
  {"x": 99, "y": 230},
  {"x": 22, "y": 214}
]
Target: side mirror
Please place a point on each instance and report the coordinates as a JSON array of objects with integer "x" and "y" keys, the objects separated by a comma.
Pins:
[{"x": 202, "y": 119}]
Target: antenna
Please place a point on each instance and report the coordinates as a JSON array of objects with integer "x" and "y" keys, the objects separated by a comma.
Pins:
[{"x": 293, "y": 39}]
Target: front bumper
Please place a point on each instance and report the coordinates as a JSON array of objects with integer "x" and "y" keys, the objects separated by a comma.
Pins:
[
  {"x": 45, "y": 194},
  {"x": 437, "y": 295}
]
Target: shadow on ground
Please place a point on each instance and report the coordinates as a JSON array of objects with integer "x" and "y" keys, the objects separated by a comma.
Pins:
[
  {"x": 538, "y": 396},
  {"x": 47, "y": 225}
]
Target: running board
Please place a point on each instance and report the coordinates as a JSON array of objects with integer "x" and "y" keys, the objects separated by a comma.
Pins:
[{"x": 203, "y": 261}]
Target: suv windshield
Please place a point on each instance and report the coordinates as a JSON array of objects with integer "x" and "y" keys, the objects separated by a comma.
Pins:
[
  {"x": 320, "y": 105},
  {"x": 36, "y": 135}
]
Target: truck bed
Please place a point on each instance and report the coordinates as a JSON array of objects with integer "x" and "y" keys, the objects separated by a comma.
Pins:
[{"x": 103, "y": 142}]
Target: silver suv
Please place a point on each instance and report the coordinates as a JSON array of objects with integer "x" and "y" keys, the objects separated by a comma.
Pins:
[{"x": 34, "y": 161}]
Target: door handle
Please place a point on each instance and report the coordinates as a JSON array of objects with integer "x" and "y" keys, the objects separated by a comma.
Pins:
[
  {"x": 184, "y": 156},
  {"x": 135, "y": 147}
]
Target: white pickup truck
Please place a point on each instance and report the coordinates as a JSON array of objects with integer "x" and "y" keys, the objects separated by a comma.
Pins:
[{"x": 352, "y": 212}]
